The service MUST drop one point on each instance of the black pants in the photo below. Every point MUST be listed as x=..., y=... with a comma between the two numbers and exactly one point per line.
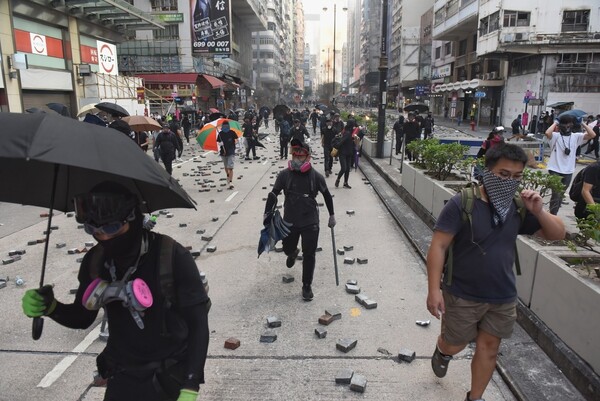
x=594, y=145
x=310, y=238
x=409, y=154
x=251, y=147
x=556, y=197
x=168, y=162
x=283, y=146
x=328, y=158
x=345, y=163
x=149, y=385
x=399, y=143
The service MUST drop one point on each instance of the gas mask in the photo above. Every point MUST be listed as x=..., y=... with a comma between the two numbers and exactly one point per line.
x=297, y=165
x=565, y=129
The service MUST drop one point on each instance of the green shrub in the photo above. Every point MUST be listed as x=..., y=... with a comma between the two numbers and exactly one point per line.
x=437, y=158
x=589, y=230
x=541, y=182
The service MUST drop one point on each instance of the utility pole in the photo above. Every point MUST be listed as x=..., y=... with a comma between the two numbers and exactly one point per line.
x=383, y=69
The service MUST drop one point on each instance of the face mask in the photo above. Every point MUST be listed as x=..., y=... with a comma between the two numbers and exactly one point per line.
x=564, y=129
x=300, y=166
x=225, y=129
x=500, y=192
x=329, y=126
x=124, y=247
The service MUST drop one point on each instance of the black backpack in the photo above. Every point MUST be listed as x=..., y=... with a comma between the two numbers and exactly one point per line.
x=577, y=186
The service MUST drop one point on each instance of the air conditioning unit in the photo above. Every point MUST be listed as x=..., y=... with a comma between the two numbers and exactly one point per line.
x=509, y=37
x=521, y=36
x=494, y=75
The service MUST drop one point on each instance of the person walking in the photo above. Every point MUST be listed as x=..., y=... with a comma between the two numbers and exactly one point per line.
x=345, y=148
x=227, y=140
x=399, y=132
x=563, y=144
x=314, y=117
x=428, y=123
x=412, y=132
x=476, y=298
x=327, y=135
x=249, y=128
x=167, y=144
x=187, y=126
x=301, y=183
x=494, y=138
x=516, y=129
x=158, y=334
x=284, y=138
x=299, y=131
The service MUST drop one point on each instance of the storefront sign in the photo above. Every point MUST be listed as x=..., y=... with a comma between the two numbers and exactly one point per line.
x=107, y=58
x=211, y=28
x=441, y=72
x=38, y=44
x=170, y=18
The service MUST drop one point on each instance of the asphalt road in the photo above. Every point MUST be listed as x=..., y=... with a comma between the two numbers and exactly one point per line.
x=245, y=290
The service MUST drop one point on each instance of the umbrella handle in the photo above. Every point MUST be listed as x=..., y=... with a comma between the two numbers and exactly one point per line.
x=37, y=327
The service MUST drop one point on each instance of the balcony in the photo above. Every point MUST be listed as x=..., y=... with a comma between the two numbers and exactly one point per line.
x=465, y=59
x=453, y=22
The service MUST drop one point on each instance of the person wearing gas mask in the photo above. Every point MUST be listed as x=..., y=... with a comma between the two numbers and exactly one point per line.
x=474, y=294
x=157, y=316
x=301, y=183
x=563, y=146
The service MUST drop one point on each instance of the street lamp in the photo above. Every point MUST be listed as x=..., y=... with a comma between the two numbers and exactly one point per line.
x=327, y=69
x=334, y=22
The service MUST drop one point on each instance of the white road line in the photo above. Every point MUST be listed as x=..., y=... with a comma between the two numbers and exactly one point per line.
x=230, y=197
x=67, y=361
x=265, y=162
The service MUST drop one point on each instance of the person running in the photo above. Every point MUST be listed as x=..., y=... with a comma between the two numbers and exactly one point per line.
x=346, y=152
x=476, y=299
x=158, y=342
x=167, y=144
x=227, y=140
x=301, y=184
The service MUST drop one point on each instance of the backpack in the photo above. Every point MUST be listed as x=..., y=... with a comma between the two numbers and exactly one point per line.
x=284, y=128
x=336, y=141
x=165, y=275
x=468, y=196
x=577, y=186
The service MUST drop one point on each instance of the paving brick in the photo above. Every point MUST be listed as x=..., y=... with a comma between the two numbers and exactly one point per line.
x=70, y=214
x=7, y=261
x=319, y=249
x=268, y=337
x=182, y=225
x=215, y=219
x=16, y=257
x=423, y=322
x=17, y=252
x=349, y=261
x=235, y=212
x=352, y=289
x=358, y=383
x=335, y=313
x=346, y=344
x=54, y=227
x=41, y=240
x=362, y=261
x=350, y=212
x=89, y=244
x=341, y=251
x=320, y=332
x=164, y=212
x=79, y=260
x=348, y=247
x=287, y=278
x=273, y=321
x=80, y=226
x=61, y=245
x=325, y=320
x=406, y=355
x=206, y=238
x=170, y=215
x=211, y=248
x=34, y=242
x=232, y=343
x=361, y=298
x=344, y=376
x=278, y=248
x=370, y=304
x=200, y=231
x=195, y=253
x=352, y=282
x=73, y=251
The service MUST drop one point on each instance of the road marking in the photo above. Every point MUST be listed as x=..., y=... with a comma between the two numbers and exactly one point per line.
x=230, y=197
x=265, y=162
x=67, y=361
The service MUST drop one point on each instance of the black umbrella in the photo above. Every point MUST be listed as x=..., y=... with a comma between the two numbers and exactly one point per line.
x=121, y=126
x=216, y=116
x=280, y=110
x=33, y=110
x=264, y=110
x=59, y=108
x=274, y=231
x=321, y=106
x=45, y=160
x=420, y=107
x=112, y=109
x=94, y=119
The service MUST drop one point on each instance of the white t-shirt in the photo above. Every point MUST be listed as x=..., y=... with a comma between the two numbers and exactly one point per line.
x=559, y=161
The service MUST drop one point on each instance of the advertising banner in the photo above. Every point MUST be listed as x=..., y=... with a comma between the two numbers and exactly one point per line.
x=211, y=26
x=107, y=58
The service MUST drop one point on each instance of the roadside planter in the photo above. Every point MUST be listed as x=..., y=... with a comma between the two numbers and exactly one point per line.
x=408, y=178
x=369, y=146
x=568, y=303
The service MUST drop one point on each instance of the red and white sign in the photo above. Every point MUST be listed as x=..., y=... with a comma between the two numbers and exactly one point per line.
x=107, y=58
x=38, y=44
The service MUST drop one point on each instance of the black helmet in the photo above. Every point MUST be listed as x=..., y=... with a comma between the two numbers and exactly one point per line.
x=106, y=203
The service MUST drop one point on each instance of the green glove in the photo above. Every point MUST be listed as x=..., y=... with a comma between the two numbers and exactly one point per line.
x=187, y=395
x=39, y=302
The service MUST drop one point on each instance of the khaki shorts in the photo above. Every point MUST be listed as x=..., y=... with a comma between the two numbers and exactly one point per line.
x=464, y=318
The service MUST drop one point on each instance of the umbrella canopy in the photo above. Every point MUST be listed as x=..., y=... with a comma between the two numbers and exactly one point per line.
x=33, y=110
x=88, y=108
x=142, y=123
x=216, y=116
x=37, y=148
x=94, y=119
x=275, y=231
x=120, y=126
x=264, y=110
x=207, y=137
x=112, y=109
x=577, y=114
x=321, y=106
x=420, y=107
x=59, y=108
x=214, y=110
x=280, y=110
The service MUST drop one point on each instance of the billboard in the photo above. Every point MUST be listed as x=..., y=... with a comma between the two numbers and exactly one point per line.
x=211, y=26
x=107, y=58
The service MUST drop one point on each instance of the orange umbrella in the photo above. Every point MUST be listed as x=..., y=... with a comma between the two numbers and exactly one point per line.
x=142, y=123
x=207, y=137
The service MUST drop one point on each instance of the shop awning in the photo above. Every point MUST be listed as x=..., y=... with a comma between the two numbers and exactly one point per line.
x=181, y=78
x=561, y=104
x=113, y=13
x=213, y=81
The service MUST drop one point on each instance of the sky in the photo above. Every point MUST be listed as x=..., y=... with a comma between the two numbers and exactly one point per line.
x=319, y=34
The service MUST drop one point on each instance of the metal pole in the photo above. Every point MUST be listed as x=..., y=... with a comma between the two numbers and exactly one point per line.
x=334, y=18
x=383, y=68
x=478, y=110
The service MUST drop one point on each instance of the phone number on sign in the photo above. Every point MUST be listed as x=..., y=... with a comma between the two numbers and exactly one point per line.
x=222, y=43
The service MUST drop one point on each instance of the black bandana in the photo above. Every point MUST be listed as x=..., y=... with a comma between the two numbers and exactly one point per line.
x=500, y=192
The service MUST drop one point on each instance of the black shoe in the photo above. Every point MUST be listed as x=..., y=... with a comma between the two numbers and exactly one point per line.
x=291, y=259
x=347, y=186
x=337, y=183
x=256, y=158
x=307, y=293
x=326, y=173
x=247, y=158
x=439, y=363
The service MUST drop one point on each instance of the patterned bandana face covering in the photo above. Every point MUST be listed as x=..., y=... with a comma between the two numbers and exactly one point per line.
x=500, y=192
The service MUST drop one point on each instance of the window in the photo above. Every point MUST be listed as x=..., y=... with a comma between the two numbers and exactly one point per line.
x=163, y=5
x=474, y=47
x=526, y=65
x=462, y=47
x=516, y=18
x=266, y=41
x=438, y=52
x=170, y=32
x=575, y=21
x=271, y=26
x=489, y=24
x=573, y=63
x=448, y=49
x=440, y=16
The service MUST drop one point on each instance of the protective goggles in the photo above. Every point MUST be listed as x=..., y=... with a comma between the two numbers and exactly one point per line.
x=104, y=210
x=299, y=151
x=107, y=229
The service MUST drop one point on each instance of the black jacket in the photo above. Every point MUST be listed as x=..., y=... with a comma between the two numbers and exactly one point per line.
x=167, y=143
x=299, y=133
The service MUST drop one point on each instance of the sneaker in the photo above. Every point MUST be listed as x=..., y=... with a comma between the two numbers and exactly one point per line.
x=307, y=293
x=337, y=183
x=291, y=259
x=326, y=173
x=247, y=158
x=468, y=397
x=347, y=186
x=256, y=158
x=231, y=186
x=439, y=362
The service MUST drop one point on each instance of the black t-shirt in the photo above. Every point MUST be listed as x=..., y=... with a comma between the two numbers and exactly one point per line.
x=300, y=206
x=228, y=139
x=483, y=272
x=328, y=134
x=592, y=176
